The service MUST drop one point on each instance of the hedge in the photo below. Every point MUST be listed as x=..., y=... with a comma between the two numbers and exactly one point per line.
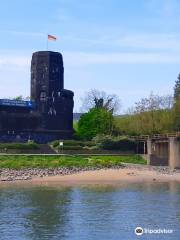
x=19, y=146
x=73, y=143
x=123, y=144
x=70, y=148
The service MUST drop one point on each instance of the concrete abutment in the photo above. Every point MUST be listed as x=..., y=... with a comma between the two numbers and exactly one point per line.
x=164, y=152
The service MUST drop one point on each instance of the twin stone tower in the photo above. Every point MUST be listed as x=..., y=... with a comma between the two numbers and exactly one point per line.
x=53, y=102
x=49, y=114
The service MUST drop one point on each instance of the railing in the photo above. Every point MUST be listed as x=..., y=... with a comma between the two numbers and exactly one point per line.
x=156, y=136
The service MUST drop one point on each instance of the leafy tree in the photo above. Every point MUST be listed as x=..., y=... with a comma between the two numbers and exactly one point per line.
x=177, y=88
x=100, y=99
x=177, y=115
x=150, y=115
x=96, y=121
x=20, y=97
x=177, y=104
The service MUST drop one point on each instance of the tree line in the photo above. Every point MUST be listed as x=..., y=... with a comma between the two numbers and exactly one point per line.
x=151, y=115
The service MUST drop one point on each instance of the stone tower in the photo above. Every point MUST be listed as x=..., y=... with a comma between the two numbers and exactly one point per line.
x=53, y=102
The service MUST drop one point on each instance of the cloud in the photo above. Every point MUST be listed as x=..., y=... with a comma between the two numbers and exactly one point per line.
x=135, y=42
x=23, y=33
x=14, y=60
x=81, y=58
x=151, y=41
x=78, y=59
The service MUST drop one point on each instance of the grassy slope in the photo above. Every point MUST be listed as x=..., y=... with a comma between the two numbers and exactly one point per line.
x=24, y=161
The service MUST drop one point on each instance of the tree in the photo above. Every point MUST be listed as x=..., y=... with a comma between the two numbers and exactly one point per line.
x=154, y=103
x=20, y=98
x=152, y=111
x=100, y=99
x=177, y=88
x=96, y=121
x=150, y=115
x=177, y=104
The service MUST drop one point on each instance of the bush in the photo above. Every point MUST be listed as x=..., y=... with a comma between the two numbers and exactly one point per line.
x=108, y=142
x=124, y=145
x=96, y=121
x=88, y=143
x=98, y=139
x=73, y=143
x=70, y=147
x=20, y=146
x=90, y=147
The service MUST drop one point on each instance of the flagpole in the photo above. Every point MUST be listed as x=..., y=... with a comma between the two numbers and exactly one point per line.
x=50, y=37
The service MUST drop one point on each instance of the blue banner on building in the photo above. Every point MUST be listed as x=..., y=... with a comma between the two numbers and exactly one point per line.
x=16, y=103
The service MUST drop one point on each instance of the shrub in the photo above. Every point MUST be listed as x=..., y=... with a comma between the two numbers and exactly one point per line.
x=70, y=148
x=124, y=145
x=96, y=121
x=21, y=146
x=55, y=144
x=108, y=142
x=90, y=147
x=98, y=139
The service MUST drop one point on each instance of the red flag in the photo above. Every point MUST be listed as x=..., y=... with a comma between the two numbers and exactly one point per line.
x=52, y=38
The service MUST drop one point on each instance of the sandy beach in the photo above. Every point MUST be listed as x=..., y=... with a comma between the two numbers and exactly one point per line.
x=109, y=176
x=105, y=176
x=129, y=173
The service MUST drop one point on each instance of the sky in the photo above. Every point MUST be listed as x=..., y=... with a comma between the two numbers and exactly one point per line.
x=129, y=48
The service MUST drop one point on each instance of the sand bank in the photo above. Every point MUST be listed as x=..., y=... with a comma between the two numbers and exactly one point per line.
x=110, y=176
x=107, y=176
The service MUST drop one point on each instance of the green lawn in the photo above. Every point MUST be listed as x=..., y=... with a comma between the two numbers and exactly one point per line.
x=25, y=161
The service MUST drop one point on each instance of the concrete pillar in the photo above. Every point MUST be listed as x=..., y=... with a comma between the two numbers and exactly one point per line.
x=149, y=146
x=149, y=150
x=174, y=153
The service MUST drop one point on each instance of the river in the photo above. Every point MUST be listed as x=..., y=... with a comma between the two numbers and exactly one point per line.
x=89, y=212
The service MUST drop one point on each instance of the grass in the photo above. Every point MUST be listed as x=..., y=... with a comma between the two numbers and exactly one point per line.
x=25, y=161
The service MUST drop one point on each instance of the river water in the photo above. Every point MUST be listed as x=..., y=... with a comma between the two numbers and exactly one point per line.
x=90, y=212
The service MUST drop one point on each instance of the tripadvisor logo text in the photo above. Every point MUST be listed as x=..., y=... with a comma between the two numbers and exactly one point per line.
x=140, y=231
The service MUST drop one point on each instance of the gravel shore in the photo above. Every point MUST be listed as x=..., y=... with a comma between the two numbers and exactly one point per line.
x=29, y=173
x=10, y=175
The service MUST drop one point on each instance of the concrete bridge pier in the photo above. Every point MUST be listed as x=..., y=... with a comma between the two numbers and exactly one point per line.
x=157, y=152
x=164, y=152
x=149, y=151
x=174, y=153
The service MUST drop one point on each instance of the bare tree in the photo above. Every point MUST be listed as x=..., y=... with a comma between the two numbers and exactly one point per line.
x=100, y=99
x=154, y=102
x=148, y=111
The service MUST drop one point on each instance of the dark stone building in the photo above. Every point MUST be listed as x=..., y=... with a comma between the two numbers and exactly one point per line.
x=49, y=114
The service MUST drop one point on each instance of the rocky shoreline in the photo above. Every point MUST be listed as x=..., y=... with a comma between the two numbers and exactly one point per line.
x=10, y=175
x=29, y=173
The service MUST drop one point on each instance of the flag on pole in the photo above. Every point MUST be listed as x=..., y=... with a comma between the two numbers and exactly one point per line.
x=51, y=37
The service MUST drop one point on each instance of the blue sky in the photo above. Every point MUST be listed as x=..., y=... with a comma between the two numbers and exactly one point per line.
x=129, y=48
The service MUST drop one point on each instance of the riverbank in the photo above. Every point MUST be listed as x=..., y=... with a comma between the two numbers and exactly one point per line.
x=81, y=176
x=111, y=176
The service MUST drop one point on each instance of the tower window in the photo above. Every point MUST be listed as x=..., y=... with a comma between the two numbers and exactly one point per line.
x=42, y=96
